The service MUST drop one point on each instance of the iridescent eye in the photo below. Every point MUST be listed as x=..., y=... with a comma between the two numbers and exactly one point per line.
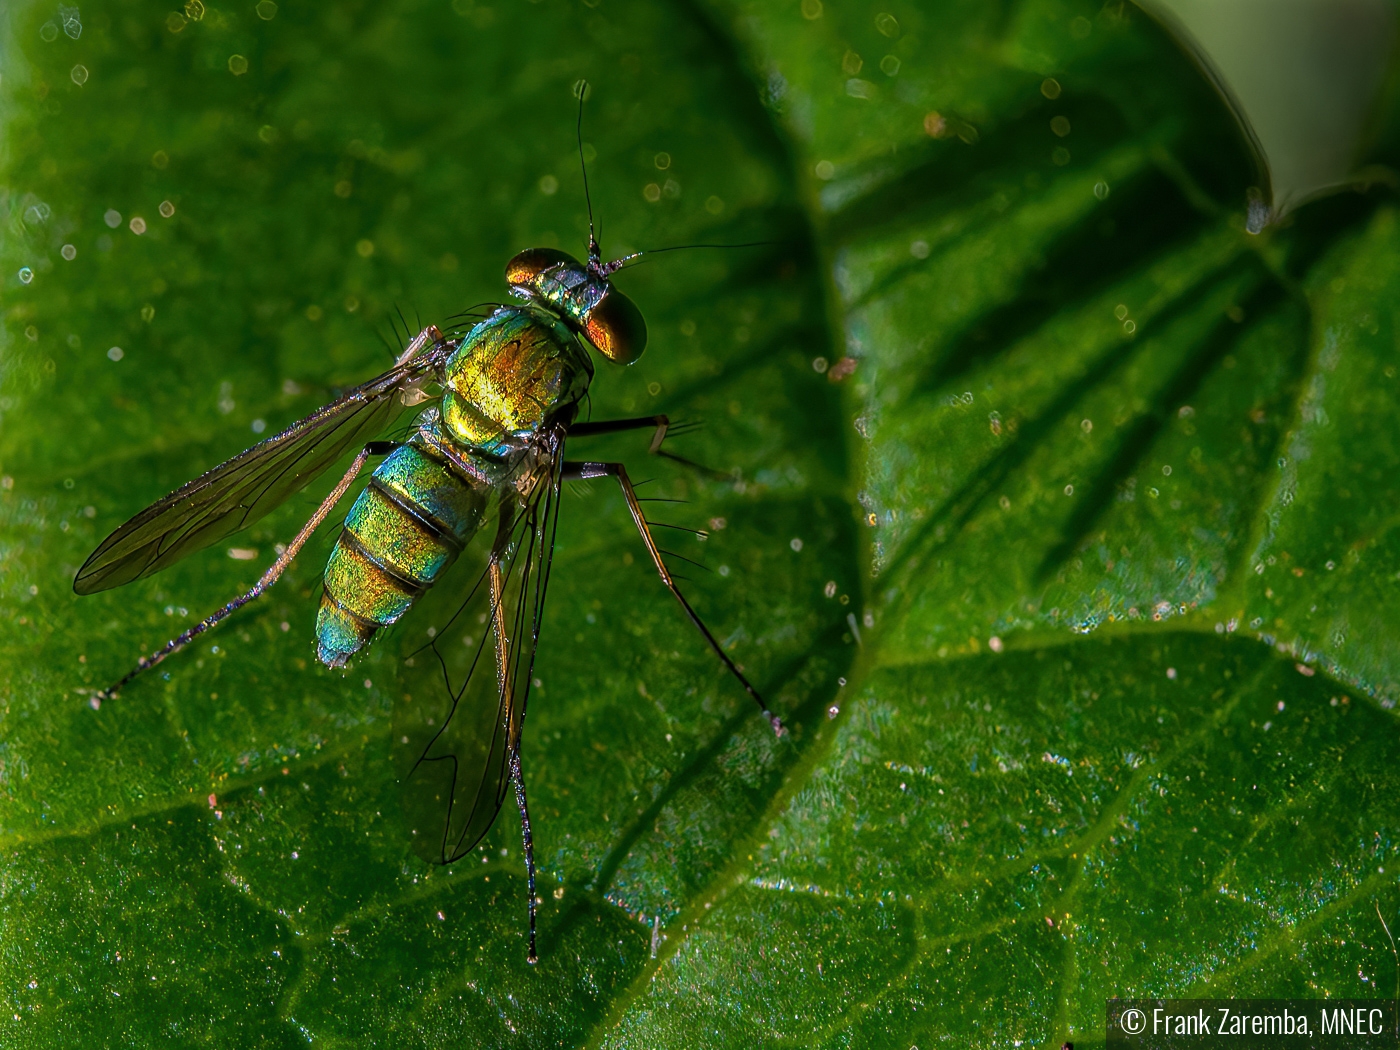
x=529, y=264
x=616, y=328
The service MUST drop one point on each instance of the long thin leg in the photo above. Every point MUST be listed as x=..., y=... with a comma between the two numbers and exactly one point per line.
x=268, y=578
x=498, y=625
x=502, y=639
x=613, y=426
x=518, y=779
x=619, y=471
x=662, y=425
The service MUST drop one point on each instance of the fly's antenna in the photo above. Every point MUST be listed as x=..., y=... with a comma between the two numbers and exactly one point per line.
x=595, y=254
x=608, y=269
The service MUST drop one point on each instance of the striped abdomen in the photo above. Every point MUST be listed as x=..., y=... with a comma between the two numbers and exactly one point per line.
x=407, y=526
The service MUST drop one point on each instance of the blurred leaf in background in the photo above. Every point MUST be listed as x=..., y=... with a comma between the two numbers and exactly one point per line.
x=1303, y=78
x=1051, y=507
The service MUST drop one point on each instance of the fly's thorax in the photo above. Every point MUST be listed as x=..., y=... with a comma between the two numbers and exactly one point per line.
x=515, y=371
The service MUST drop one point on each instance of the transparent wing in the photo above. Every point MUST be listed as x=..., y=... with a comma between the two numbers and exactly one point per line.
x=453, y=748
x=240, y=491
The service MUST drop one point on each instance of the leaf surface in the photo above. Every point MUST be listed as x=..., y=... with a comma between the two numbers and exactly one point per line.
x=1050, y=508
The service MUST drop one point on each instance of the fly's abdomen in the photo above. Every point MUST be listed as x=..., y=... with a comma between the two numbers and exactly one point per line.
x=406, y=528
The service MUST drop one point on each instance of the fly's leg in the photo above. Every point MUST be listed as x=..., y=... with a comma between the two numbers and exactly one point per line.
x=374, y=448
x=518, y=779
x=662, y=425
x=502, y=639
x=581, y=471
x=498, y=627
x=613, y=426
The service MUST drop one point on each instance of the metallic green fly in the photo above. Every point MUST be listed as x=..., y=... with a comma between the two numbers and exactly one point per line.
x=496, y=406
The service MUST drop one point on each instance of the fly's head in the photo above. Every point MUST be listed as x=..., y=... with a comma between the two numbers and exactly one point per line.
x=583, y=294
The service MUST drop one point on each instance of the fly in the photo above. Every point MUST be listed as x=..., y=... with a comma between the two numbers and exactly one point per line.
x=480, y=475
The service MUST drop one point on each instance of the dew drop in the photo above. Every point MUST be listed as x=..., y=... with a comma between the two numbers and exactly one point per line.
x=25, y=274
x=112, y=218
x=79, y=74
x=115, y=354
x=68, y=252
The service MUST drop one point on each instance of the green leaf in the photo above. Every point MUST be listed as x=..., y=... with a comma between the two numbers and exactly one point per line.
x=1050, y=508
x=1303, y=81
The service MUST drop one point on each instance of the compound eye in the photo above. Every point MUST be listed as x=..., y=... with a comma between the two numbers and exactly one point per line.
x=616, y=328
x=529, y=264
